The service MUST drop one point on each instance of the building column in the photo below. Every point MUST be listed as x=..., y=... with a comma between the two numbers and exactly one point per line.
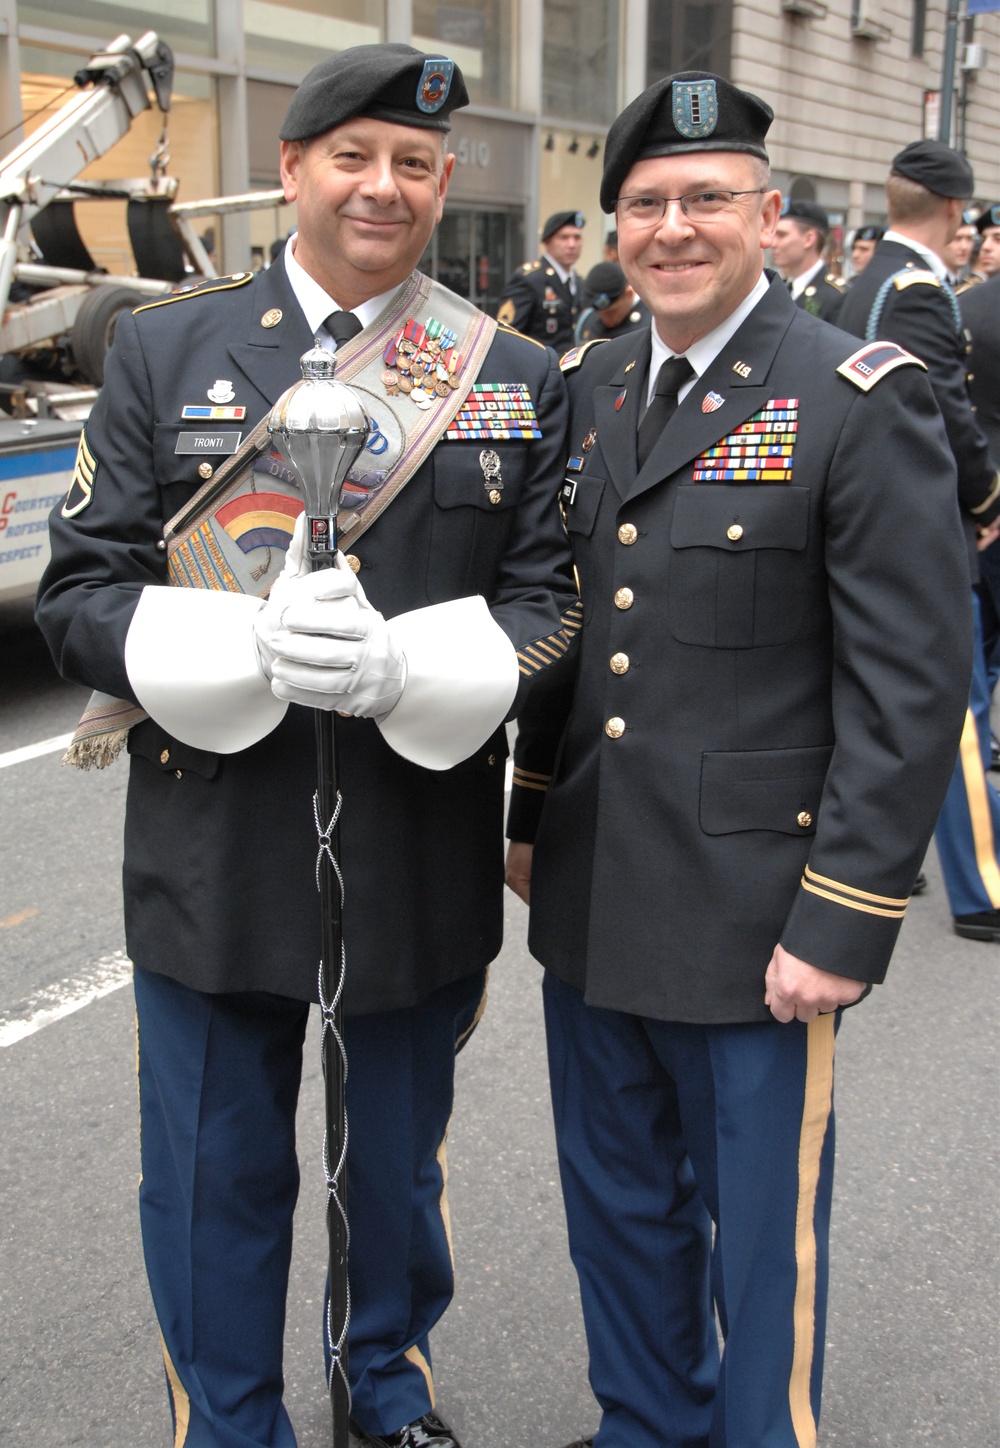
x=529, y=100
x=635, y=41
x=234, y=132
x=399, y=21
x=855, y=205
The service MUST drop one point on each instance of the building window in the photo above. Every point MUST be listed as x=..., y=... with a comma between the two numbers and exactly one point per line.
x=478, y=34
x=580, y=60
x=689, y=37
x=185, y=25
x=292, y=38
x=918, y=27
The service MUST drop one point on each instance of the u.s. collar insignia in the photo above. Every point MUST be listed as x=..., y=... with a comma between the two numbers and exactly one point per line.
x=695, y=108
x=742, y=369
x=221, y=392
x=434, y=84
x=271, y=317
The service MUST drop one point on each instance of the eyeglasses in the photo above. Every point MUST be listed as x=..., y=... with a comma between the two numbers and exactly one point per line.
x=699, y=206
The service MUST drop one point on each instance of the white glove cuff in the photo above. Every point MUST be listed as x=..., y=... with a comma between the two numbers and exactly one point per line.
x=461, y=678
x=192, y=663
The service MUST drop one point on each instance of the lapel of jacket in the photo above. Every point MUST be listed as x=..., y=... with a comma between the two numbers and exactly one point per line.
x=752, y=348
x=616, y=430
x=269, y=354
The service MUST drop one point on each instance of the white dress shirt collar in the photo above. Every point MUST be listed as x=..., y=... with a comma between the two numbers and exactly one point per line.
x=702, y=354
x=318, y=304
x=932, y=259
x=800, y=283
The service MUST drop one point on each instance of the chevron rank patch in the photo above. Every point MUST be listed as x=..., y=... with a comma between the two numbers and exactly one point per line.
x=81, y=488
x=873, y=361
x=760, y=450
x=495, y=410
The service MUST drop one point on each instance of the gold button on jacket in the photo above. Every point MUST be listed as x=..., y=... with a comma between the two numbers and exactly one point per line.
x=619, y=663
x=624, y=598
x=734, y=532
x=615, y=728
x=804, y=818
x=353, y=563
x=627, y=533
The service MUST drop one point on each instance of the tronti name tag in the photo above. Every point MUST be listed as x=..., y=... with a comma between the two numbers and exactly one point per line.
x=223, y=441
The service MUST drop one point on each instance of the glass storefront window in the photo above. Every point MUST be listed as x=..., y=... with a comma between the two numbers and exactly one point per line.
x=479, y=35
x=683, y=36
x=192, y=136
x=580, y=60
x=185, y=24
x=292, y=38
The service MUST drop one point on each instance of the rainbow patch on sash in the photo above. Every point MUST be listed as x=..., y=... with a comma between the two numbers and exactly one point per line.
x=260, y=520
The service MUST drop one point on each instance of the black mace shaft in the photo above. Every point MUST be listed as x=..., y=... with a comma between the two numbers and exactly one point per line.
x=331, y=999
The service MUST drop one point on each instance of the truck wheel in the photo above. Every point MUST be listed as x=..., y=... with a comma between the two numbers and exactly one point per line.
x=93, y=331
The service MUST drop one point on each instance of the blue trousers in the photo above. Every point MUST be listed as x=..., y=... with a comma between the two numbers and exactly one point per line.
x=968, y=826
x=663, y=1131
x=218, y=1084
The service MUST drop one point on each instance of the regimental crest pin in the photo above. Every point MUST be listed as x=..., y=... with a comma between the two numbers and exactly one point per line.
x=589, y=440
x=695, y=108
x=221, y=392
x=711, y=402
x=434, y=84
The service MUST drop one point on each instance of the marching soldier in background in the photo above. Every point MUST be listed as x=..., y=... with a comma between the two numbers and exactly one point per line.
x=612, y=306
x=736, y=789
x=542, y=298
x=797, y=252
x=960, y=251
x=988, y=226
x=440, y=618
x=904, y=296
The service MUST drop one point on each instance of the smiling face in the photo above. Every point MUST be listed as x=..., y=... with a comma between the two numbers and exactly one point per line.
x=369, y=194
x=693, y=274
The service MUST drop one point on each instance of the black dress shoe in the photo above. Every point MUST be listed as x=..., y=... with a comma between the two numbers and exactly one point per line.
x=983, y=925
x=430, y=1431
x=919, y=884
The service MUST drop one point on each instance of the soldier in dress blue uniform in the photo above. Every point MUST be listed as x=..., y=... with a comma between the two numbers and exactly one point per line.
x=542, y=298
x=612, y=306
x=798, y=254
x=904, y=295
x=423, y=641
x=730, y=798
x=863, y=244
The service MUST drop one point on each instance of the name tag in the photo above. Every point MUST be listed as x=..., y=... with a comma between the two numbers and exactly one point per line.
x=224, y=441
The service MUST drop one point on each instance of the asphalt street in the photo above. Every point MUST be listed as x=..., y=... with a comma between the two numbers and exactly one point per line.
x=913, y=1335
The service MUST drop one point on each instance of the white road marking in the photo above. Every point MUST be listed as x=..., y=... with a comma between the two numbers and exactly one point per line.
x=54, y=1002
x=32, y=751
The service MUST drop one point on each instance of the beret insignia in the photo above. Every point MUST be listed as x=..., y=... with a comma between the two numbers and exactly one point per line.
x=434, y=84
x=695, y=108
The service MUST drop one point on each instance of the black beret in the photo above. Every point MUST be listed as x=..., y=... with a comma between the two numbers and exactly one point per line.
x=936, y=167
x=612, y=237
x=561, y=219
x=690, y=111
x=809, y=212
x=386, y=82
x=989, y=217
x=604, y=284
x=869, y=233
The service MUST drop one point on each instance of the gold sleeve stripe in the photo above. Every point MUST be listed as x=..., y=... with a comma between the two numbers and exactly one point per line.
x=858, y=894
x=226, y=285
x=852, y=904
x=527, y=784
x=531, y=774
x=988, y=502
x=536, y=656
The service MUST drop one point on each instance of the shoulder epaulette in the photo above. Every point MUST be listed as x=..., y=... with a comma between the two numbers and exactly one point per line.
x=213, y=284
x=571, y=360
x=910, y=276
x=873, y=361
x=513, y=332
x=972, y=280
x=529, y=266
x=835, y=281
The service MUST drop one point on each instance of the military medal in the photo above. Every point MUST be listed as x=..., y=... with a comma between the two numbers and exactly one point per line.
x=760, y=450
x=422, y=362
x=495, y=410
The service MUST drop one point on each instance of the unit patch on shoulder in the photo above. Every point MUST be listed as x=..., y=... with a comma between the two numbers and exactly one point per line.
x=81, y=488
x=911, y=275
x=871, y=363
x=571, y=360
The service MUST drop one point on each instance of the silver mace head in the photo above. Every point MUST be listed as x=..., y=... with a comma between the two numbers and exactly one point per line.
x=319, y=426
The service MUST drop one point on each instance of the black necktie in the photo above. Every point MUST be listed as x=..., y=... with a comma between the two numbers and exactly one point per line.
x=670, y=379
x=342, y=326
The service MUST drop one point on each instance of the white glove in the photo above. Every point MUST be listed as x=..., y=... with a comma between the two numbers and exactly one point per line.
x=321, y=643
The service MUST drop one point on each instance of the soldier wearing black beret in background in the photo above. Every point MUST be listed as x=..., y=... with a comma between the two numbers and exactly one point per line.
x=904, y=295
x=435, y=626
x=612, y=307
x=797, y=252
x=737, y=787
x=542, y=298
x=863, y=244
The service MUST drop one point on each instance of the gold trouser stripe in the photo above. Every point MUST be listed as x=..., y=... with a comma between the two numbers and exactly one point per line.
x=182, y=1403
x=900, y=901
x=416, y=1356
x=851, y=904
x=815, y=1118
x=979, y=809
x=442, y=1161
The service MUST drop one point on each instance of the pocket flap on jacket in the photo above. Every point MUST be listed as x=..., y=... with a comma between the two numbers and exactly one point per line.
x=763, y=789
x=753, y=515
x=149, y=741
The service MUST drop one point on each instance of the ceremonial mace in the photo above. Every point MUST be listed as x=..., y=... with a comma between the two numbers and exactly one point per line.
x=319, y=426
